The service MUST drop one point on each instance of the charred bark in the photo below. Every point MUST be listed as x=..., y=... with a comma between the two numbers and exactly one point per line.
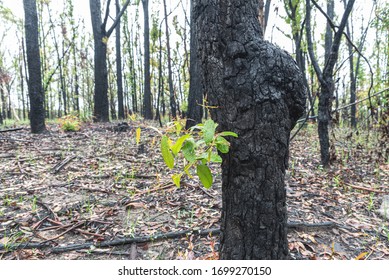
x=259, y=93
x=195, y=97
x=35, y=89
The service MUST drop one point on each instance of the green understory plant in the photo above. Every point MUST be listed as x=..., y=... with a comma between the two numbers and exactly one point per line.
x=70, y=123
x=198, y=147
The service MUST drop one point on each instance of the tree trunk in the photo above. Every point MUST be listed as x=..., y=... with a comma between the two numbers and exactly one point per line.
x=119, y=67
x=258, y=93
x=195, y=97
x=100, y=36
x=101, y=108
x=173, y=104
x=147, y=104
x=35, y=90
x=325, y=77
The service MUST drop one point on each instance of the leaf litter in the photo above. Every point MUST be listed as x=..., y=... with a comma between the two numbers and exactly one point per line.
x=102, y=184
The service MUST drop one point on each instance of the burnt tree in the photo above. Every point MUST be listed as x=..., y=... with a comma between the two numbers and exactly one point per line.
x=195, y=97
x=35, y=89
x=259, y=93
x=100, y=37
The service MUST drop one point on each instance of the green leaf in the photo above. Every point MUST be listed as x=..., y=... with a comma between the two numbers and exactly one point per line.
x=189, y=151
x=205, y=175
x=187, y=170
x=166, y=154
x=222, y=145
x=178, y=145
x=209, y=131
x=177, y=179
x=215, y=158
x=178, y=127
x=228, y=133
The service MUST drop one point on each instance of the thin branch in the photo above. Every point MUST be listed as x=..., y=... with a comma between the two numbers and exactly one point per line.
x=11, y=129
x=333, y=26
x=106, y=15
x=109, y=32
x=148, y=238
x=311, y=53
x=349, y=105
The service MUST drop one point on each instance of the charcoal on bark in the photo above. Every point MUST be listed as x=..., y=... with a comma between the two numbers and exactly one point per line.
x=35, y=89
x=259, y=93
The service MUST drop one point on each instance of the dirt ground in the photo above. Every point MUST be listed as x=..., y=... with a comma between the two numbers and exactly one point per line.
x=70, y=195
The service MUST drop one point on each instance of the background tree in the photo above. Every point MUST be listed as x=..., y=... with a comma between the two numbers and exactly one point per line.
x=173, y=104
x=325, y=76
x=195, y=97
x=259, y=94
x=147, y=104
x=119, y=80
x=35, y=90
x=100, y=36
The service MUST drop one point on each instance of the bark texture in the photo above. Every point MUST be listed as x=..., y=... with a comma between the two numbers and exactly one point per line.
x=195, y=98
x=35, y=89
x=119, y=74
x=147, y=106
x=101, y=107
x=259, y=94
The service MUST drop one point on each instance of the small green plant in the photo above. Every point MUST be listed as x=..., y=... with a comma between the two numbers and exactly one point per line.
x=199, y=147
x=34, y=206
x=7, y=201
x=371, y=202
x=70, y=123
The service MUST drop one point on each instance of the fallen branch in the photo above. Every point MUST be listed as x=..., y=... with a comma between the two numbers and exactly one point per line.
x=62, y=164
x=367, y=189
x=11, y=129
x=145, y=239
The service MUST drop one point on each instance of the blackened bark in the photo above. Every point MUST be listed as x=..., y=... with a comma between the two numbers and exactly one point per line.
x=147, y=104
x=325, y=78
x=195, y=97
x=100, y=98
x=100, y=37
x=35, y=90
x=173, y=104
x=119, y=80
x=259, y=93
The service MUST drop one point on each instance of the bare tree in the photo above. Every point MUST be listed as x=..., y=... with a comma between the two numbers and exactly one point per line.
x=35, y=90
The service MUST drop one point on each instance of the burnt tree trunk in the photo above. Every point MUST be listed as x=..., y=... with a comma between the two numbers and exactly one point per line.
x=195, y=97
x=147, y=104
x=259, y=93
x=325, y=77
x=119, y=80
x=173, y=104
x=35, y=89
x=100, y=97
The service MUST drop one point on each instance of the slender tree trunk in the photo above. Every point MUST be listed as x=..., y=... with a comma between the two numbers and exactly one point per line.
x=147, y=104
x=100, y=36
x=195, y=97
x=325, y=77
x=119, y=67
x=37, y=109
x=258, y=93
x=173, y=104
x=101, y=108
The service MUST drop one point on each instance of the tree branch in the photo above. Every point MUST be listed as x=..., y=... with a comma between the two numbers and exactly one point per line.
x=109, y=32
x=104, y=25
x=311, y=53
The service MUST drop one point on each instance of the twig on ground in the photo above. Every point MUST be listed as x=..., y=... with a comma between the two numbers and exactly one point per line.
x=62, y=164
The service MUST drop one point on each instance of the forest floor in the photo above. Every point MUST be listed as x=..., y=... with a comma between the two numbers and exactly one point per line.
x=97, y=194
